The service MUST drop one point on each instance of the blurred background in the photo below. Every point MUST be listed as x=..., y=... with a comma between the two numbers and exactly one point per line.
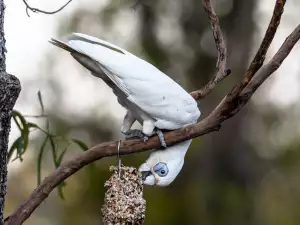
x=247, y=173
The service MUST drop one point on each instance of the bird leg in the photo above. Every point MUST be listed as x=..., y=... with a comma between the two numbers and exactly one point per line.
x=129, y=119
x=148, y=130
x=161, y=137
x=135, y=133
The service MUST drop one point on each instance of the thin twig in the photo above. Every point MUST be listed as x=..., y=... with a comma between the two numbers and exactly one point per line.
x=221, y=66
x=36, y=10
x=36, y=116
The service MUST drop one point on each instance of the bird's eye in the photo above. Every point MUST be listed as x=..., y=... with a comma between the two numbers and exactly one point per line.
x=161, y=169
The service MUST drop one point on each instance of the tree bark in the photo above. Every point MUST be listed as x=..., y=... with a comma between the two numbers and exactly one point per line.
x=9, y=91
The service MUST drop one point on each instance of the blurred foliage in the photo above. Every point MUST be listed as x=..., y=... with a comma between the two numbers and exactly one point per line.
x=226, y=179
x=20, y=145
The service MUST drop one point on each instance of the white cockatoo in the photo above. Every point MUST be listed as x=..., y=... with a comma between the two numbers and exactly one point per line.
x=150, y=97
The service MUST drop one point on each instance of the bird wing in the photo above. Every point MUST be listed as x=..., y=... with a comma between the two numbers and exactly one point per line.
x=143, y=84
x=87, y=46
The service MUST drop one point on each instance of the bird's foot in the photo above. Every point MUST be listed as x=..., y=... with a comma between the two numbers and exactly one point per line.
x=161, y=137
x=133, y=134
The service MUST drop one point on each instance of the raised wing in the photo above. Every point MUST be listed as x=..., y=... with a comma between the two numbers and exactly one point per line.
x=144, y=85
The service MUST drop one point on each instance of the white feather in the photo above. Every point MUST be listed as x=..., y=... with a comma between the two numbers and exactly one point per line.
x=156, y=94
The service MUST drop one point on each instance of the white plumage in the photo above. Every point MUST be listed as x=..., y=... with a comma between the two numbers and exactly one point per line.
x=150, y=97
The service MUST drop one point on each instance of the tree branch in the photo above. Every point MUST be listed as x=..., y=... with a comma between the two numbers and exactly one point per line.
x=260, y=56
x=36, y=10
x=227, y=108
x=221, y=67
x=274, y=63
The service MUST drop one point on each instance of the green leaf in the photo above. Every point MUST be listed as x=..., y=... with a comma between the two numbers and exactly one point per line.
x=32, y=125
x=60, y=158
x=25, y=135
x=53, y=150
x=20, y=148
x=14, y=147
x=14, y=115
x=60, y=190
x=81, y=144
x=24, y=129
x=39, y=160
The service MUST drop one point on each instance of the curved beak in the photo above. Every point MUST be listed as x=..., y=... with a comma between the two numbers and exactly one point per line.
x=145, y=174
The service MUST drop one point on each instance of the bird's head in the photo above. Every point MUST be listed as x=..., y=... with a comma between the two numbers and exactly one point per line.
x=163, y=166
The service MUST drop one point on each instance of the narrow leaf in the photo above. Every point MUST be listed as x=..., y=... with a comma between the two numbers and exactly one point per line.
x=13, y=147
x=14, y=115
x=60, y=158
x=20, y=148
x=60, y=190
x=24, y=129
x=53, y=150
x=32, y=125
x=39, y=160
x=41, y=102
x=25, y=135
x=81, y=144
x=21, y=117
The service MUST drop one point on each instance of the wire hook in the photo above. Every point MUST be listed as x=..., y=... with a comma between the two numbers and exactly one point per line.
x=119, y=158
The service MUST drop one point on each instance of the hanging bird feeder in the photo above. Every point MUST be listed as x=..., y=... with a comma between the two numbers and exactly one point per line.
x=123, y=202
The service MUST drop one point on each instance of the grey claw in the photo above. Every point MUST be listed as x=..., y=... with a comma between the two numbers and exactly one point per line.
x=132, y=134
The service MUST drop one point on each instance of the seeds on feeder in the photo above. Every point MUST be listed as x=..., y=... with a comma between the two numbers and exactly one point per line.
x=124, y=203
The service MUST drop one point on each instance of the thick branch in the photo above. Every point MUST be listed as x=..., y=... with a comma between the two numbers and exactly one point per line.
x=221, y=66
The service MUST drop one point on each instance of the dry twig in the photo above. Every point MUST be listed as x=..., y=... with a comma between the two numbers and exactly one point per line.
x=227, y=108
x=221, y=65
x=36, y=10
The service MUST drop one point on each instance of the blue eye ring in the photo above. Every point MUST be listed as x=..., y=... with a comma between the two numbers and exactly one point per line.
x=161, y=169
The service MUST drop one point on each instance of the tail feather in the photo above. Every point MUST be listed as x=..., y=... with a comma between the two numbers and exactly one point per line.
x=62, y=45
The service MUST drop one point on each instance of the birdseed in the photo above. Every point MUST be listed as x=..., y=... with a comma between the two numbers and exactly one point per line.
x=123, y=202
